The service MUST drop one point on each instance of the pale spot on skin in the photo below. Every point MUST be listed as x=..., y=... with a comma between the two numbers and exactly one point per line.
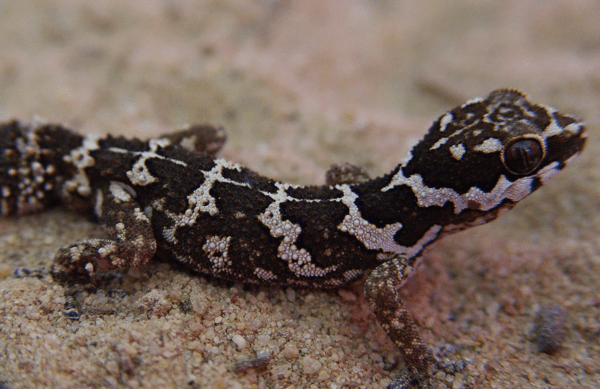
x=188, y=142
x=139, y=173
x=446, y=119
x=120, y=191
x=217, y=249
x=472, y=101
x=81, y=159
x=264, y=274
x=490, y=145
x=351, y=275
x=574, y=128
x=439, y=143
x=98, y=203
x=457, y=151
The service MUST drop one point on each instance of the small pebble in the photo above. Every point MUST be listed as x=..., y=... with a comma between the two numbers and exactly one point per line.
x=550, y=328
x=290, y=351
x=239, y=341
x=256, y=363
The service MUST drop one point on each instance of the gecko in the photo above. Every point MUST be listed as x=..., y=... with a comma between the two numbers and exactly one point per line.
x=172, y=197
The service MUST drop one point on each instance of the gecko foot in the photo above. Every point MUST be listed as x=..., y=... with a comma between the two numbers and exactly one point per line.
x=407, y=381
x=37, y=272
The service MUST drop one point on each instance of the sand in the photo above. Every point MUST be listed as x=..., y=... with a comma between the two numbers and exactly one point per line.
x=300, y=85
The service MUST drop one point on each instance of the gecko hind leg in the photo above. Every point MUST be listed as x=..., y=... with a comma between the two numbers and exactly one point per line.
x=131, y=241
x=345, y=173
x=203, y=138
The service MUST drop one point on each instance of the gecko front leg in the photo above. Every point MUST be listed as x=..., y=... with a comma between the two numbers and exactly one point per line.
x=381, y=292
x=131, y=241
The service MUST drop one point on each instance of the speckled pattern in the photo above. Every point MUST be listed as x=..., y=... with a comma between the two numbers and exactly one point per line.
x=221, y=219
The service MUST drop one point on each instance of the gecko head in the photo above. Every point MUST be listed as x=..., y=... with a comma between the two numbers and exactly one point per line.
x=490, y=153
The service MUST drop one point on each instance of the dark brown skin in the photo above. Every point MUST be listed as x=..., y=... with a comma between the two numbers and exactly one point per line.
x=170, y=194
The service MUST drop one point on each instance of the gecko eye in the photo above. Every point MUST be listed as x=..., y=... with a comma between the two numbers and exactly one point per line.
x=523, y=155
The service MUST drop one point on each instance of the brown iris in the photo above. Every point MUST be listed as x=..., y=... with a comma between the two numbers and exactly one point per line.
x=523, y=156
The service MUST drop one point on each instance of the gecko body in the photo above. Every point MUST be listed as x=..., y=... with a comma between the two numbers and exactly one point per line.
x=171, y=196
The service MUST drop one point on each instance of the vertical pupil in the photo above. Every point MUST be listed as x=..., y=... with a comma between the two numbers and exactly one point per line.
x=523, y=156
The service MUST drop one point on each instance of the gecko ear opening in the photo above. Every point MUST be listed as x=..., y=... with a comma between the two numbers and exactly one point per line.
x=523, y=155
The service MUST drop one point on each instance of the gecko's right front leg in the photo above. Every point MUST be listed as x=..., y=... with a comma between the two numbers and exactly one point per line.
x=131, y=241
x=381, y=292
